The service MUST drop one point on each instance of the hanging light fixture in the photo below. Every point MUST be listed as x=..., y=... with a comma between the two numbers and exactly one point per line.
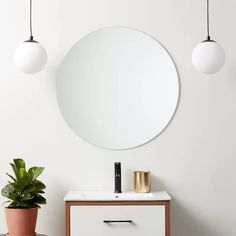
x=208, y=56
x=30, y=56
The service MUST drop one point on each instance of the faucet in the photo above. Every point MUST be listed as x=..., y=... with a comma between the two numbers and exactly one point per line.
x=117, y=166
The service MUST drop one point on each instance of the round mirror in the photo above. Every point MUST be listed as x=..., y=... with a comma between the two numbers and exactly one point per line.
x=117, y=88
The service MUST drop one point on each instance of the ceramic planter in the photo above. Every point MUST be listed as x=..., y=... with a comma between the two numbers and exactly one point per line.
x=21, y=221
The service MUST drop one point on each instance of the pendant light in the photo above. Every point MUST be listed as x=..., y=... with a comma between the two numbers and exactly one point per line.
x=30, y=56
x=208, y=56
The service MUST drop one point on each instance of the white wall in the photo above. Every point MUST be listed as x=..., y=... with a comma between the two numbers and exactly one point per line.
x=194, y=159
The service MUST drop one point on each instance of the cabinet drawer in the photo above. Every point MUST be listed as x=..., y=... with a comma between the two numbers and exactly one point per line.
x=117, y=220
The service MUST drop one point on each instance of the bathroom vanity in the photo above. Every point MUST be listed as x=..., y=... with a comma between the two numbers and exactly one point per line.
x=110, y=214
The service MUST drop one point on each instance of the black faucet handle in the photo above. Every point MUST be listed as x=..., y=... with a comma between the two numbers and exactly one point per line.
x=117, y=166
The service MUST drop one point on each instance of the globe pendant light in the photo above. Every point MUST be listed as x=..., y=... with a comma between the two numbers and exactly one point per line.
x=30, y=56
x=208, y=56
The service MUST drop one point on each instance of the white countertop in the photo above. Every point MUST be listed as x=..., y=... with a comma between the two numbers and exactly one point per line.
x=110, y=196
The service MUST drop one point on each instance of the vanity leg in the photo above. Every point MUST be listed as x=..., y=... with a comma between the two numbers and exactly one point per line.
x=167, y=207
x=67, y=220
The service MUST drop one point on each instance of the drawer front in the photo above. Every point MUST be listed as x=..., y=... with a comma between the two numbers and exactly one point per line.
x=117, y=220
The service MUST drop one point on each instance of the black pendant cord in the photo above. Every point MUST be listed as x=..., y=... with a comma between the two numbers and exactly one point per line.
x=31, y=30
x=31, y=38
x=208, y=21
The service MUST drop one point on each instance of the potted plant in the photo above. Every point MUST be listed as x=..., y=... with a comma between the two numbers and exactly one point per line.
x=24, y=193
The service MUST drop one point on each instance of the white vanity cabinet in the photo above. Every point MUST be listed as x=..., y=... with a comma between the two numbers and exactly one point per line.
x=116, y=218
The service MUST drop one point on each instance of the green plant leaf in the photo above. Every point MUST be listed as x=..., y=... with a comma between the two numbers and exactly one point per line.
x=14, y=179
x=39, y=185
x=26, y=196
x=30, y=189
x=19, y=163
x=41, y=191
x=35, y=172
x=15, y=170
x=39, y=199
x=22, y=172
x=24, y=183
x=8, y=191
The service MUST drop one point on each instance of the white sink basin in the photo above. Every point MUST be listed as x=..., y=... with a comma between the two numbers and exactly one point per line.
x=110, y=196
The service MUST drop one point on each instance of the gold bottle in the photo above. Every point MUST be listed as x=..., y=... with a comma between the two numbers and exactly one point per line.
x=142, y=181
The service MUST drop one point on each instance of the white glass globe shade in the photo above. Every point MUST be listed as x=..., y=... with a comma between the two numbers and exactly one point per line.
x=30, y=57
x=208, y=57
